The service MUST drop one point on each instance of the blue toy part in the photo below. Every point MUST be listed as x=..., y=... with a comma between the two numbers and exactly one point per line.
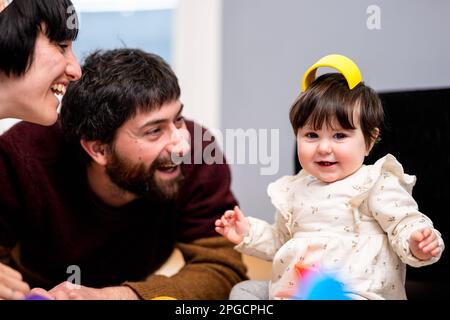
x=325, y=287
x=320, y=286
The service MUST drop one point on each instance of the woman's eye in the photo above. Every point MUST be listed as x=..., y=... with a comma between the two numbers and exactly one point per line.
x=63, y=46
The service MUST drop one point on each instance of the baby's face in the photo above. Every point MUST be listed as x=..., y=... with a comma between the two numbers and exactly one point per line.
x=331, y=154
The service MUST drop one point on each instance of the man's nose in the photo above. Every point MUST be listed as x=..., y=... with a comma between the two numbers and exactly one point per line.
x=179, y=143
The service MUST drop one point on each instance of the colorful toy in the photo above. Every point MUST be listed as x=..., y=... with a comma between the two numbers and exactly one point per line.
x=35, y=297
x=317, y=285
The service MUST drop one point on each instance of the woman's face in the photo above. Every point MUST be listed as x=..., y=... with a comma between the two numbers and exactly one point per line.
x=35, y=93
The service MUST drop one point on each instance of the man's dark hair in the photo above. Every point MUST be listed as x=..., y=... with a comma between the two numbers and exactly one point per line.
x=115, y=86
x=20, y=23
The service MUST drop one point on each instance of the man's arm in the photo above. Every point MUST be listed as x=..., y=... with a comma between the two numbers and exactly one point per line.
x=69, y=291
x=212, y=268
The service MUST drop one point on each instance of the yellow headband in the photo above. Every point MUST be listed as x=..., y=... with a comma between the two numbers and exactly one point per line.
x=339, y=62
x=4, y=4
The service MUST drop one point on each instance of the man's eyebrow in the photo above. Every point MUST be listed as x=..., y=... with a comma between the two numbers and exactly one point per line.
x=181, y=110
x=161, y=120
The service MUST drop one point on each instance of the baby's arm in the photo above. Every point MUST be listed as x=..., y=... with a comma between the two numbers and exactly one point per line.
x=411, y=233
x=253, y=236
x=233, y=225
x=424, y=244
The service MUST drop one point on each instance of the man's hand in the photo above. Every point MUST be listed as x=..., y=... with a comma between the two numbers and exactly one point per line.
x=70, y=291
x=424, y=244
x=11, y=285
x=233, y=225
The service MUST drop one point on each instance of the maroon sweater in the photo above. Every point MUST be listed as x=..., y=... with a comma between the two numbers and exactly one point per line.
x=47, y=206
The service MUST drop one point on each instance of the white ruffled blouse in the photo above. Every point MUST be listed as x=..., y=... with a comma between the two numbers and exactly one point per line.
x=356, y=229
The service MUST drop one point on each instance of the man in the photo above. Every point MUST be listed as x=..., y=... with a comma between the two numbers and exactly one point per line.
x=99, y=195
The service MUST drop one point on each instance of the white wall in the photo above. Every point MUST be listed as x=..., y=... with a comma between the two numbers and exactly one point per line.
x=197, y=44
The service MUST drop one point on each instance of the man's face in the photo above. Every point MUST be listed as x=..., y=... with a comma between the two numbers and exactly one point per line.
x=140, y=161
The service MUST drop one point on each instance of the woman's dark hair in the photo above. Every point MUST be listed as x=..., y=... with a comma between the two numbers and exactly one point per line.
x=115, y=86
x=20, y=23
x=329, y=99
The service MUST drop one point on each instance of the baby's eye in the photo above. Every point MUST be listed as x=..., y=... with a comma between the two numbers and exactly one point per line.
x=311, y=135
x=340, y=135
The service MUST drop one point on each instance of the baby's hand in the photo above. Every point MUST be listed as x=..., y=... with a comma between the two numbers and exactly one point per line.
x=424, y=244
x=233, y=225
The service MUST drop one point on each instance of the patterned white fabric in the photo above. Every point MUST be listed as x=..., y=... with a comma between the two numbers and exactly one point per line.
x=356, y=229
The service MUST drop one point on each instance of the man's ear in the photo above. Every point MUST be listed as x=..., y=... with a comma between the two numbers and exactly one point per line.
x=376, y=133
x=96, y=150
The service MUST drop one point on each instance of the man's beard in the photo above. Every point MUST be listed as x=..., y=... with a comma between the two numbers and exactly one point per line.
x=142, y=181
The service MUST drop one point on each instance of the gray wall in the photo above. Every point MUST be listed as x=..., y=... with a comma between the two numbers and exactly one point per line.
x=268, y=44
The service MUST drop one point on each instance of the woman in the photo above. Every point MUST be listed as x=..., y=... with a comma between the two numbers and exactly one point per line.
x=37, y=59
x=37, y=63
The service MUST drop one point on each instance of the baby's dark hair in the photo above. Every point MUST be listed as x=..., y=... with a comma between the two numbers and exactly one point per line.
x=20, y=24
x=329, y=99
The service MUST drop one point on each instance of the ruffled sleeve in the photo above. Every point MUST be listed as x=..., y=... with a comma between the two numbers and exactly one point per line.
x=264, y=239
x=390, y=202
x=281, y=193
